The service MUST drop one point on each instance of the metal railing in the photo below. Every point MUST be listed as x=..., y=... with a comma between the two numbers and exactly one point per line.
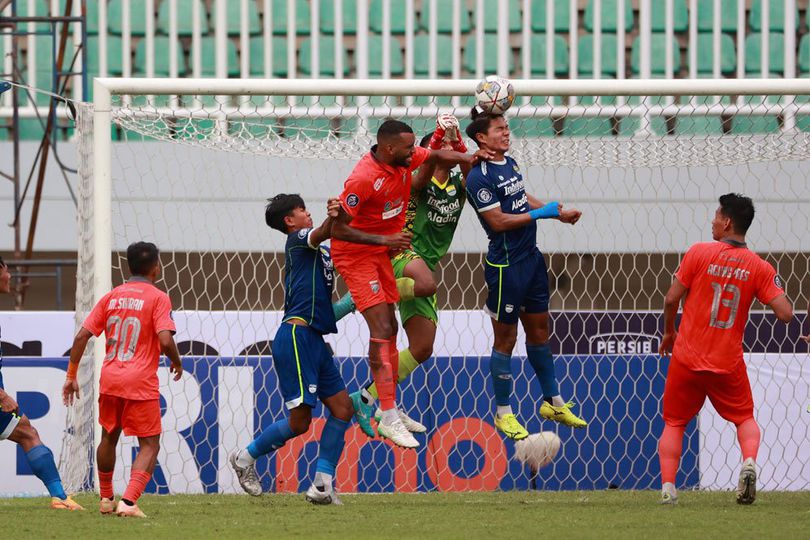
x=21, y=277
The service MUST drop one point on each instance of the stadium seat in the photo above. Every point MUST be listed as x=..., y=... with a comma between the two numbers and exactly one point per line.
x=538, y=55
x=705, y=54
x=657, y=55
x=590, y=127
x=444, y=17
x=533, y=127
x=753, y=53
x=610, y=22
x=137, y=16
x=698, y=125
x=728, y=15
x=44, y=63
x=562, y=16
x=161, y=60
x=397, y=16
x=680, y=17
x=208, y=55
x=610, y=44
x=804, y=54
x=185, y=20
x=41, y=8
x=303, y=17
x=745, y=124
x=349, y=17
x=114, y=58
x=31, y=129
x=234, y=14
x=490, y=54
x=421, y=54
x=776, y=16
x=375, y=56
x=491, y=16
x=326, y=57
x=279, y=56
x=630, y=125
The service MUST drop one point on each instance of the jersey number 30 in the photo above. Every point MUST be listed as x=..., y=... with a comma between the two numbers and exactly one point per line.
x=733, y=302
x=122, y=337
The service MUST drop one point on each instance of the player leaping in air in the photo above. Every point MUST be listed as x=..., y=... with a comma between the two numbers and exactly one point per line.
x=437, y=199
x=17, y=428
x=365, y=236
x=720, y=280
x=515, y=272
x=136, y=319
x=304, y=363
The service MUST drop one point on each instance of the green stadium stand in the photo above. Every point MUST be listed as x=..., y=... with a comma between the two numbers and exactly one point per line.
x=137, y=16
x=537, y=43
x=680, y=16
x=610, y=22
x=444, y=17
x=30, y=129
x=44, y=66
x=114, y=57
x=776, y=16
x=326, y=56
x=491, y=16
x=705, y=54
x=630, y=125
x=234, y=14
x=162, y=47
x=536, y=125
x=397, y=11
x=562, y=16
x=728, y=15
x=41, y=9
x=349, y=17
x=421, y=54
x=698, y=125
x=744, y=124
x=208, y=50
x=490, y=54
x=303, y=17
x=804, y=54
x=657, y=55
x=753, y=53
x=91, y=18
x=590, y=127
x=610, y=44
x=375, y=56
x=279, y=56
x=185, y=19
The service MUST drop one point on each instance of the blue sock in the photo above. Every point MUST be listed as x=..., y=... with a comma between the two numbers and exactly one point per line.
x=333, y=438
x=500, y=367
x=271, y=439
x=543, y=363
x=40, y=459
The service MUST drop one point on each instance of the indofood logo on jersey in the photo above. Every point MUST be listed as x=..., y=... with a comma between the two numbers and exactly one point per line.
x=624, y=343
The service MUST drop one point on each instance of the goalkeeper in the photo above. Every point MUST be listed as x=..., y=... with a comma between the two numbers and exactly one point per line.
x=437, y=199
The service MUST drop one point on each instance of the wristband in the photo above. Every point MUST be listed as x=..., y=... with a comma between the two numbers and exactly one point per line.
x=459, y=146
x=73, y=369
x=550, y=210
x=437, y=139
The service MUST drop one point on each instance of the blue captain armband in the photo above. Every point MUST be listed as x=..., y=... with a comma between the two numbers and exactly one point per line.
x=550, y=210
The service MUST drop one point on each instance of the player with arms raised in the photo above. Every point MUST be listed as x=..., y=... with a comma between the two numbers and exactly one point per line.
x=720, y=280
x=16, y=427
x=136, y=320
x=515, y=272
x=365, y=236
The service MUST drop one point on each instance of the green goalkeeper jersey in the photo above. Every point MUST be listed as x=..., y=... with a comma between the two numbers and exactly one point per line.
x=432, y=217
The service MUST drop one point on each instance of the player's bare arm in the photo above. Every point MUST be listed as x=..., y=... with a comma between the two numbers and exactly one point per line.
x=169, y=348
x=7, y=403
x=343, y=231
x=423, y=176
x=70, y=390
x=671, y=302
x=324, y=232
x=449, y=158
x=782, y=308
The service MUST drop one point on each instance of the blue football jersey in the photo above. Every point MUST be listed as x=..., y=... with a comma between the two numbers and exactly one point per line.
x=492, y=184
x=308, y=281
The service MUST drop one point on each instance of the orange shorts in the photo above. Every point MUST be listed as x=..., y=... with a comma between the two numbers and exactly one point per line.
x=138, y=418
x=370, y=279
x=686, y=390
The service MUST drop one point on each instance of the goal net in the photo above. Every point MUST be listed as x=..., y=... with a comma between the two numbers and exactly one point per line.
x=645, y=161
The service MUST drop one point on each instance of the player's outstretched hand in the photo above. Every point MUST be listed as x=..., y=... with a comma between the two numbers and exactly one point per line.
x=482, y=154
x=7, y=404
x=177, y=370
x=399, y=241
x=667, y=342
x=333, y=207
x=571, y=215
x=70, y=392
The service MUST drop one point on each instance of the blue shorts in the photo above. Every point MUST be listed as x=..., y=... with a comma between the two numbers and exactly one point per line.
x=304, y=365
x=8, y=420
x=515, y=288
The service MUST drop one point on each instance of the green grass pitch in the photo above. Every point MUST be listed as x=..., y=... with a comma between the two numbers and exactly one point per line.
x=550, y=515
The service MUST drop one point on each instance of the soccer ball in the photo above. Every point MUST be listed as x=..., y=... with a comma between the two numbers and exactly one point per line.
x=494, y=95
x=538, y=449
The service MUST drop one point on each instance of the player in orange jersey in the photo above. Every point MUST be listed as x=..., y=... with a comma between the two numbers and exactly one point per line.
x=136, y=319
x=367, y=233
x=722, y=278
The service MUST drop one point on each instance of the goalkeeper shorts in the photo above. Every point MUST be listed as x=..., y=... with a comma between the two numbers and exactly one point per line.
x=517, y=287
x=686, y=391
x=424, y=306
x=369, y=278
x=137, y=417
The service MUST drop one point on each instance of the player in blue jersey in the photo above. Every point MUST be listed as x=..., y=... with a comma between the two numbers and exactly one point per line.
x=515, y=272
x=304, y=364
x=16, y=427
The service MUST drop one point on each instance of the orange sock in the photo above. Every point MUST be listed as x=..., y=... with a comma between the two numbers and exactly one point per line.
x=393, y=357
x=137, y=483
x=383, y=377
x=748, y=435
x=105, y=484
x=669, y=451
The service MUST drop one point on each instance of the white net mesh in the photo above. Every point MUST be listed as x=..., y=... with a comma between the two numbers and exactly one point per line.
x=192, y=174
